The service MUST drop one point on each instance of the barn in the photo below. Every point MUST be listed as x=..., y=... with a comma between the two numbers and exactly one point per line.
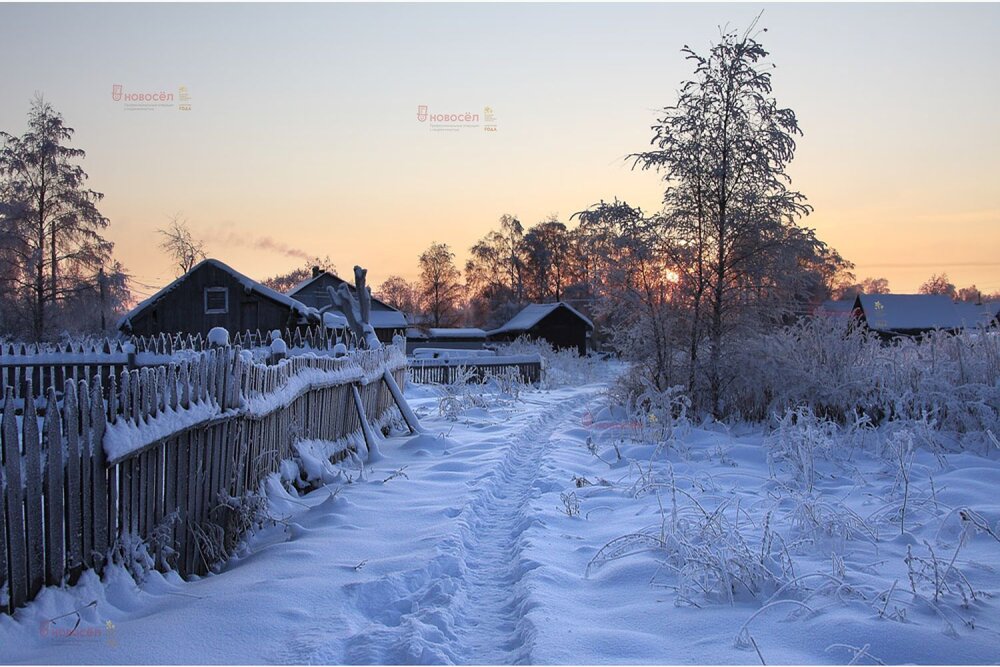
x=213, y=294
x=386, y=320
x=558, y=323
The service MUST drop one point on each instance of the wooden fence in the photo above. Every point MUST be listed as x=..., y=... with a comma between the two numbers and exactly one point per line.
x=53, y=365
x=166, y=456
x=446, y=371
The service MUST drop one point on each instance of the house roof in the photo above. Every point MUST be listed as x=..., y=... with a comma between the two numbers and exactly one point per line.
x=387, y=319
x=467, y=332
x=975, y=314
x=534, y=313
x=841, y=307
x=249, y=285
x=907, y=312
x=390, y=318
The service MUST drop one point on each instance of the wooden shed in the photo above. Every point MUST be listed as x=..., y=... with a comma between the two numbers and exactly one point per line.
x=213, y=294
x=558, y=323
x=386, y=320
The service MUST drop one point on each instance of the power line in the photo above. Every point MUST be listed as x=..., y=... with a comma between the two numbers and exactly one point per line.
x=926, y=265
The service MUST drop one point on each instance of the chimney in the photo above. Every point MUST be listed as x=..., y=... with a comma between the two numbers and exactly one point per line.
x=315, y=271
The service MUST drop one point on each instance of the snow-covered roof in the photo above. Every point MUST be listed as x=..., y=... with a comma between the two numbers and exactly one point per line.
x=904, y=312
x=457, y=332
x=534, y=313
x=249, y=285
x=307, y=283
x=975, y=314
x=387, y=319
x=415, y=332
x=842, y=307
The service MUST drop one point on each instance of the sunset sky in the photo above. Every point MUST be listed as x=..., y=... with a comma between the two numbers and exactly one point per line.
x=302, y=138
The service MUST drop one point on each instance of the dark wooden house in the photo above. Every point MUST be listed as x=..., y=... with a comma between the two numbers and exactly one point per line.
x=213, y=294
x=386, y=320
x=558, y=323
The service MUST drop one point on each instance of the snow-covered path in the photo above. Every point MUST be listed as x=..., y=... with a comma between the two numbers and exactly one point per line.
x=472, y=596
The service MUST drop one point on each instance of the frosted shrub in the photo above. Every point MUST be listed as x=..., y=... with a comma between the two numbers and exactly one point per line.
x=132, y=554
x=562, y=368
x=658, y=416
x=839, y=370
x=507, y=381
x=706, y=556
x=461, y=393
x=798, y=440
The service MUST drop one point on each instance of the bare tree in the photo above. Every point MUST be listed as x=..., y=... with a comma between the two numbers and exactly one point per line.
x=939, y=284
x=494, y=273
x=286, y=281
x=399, y=293
x=440, y=290
x=546, y=257
x=52, y=239
x=180, y=245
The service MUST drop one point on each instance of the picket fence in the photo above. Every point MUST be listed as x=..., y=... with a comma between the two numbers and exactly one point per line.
x=166, y=456
x=478, y=369
x=54, y=365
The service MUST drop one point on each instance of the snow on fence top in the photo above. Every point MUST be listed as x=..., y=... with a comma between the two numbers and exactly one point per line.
x=150, y=404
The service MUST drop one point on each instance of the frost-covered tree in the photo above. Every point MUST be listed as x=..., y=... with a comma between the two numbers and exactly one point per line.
x=180, y=245
x=440, y=291
x=53, y=248
x=723, y=149
x=636, y=288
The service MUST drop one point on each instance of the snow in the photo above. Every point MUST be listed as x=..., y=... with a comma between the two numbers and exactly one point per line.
x=447, y=352
x=899, y=312
x=533, y=314
x=466, y=332
x=334, y=320
x=460, y=357
x=126, y=436
x=481, y=541
x=387, y=319
x=218, y=336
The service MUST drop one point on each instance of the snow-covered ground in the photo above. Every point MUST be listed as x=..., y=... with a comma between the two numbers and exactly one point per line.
x=484, y=542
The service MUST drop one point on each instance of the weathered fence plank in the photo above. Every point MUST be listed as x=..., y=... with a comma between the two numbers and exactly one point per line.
x=55, y=545
x=99, y=471
x=74, y=490
x=33, y=518
x=17, y=555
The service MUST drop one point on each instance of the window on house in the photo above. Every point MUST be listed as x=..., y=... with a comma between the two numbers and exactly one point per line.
x=216, y=300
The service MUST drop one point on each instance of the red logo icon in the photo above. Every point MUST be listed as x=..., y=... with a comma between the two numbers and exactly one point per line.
x=116, y=92
x=422, y=112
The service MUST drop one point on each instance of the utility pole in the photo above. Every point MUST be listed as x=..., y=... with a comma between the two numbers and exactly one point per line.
x=100, y=284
